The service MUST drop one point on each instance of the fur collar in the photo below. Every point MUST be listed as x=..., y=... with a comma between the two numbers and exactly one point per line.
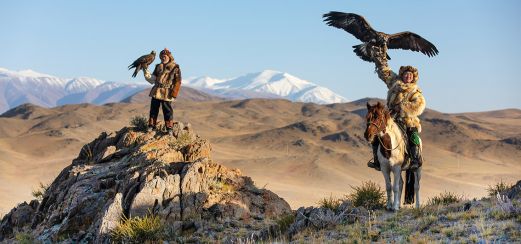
x=400, y=86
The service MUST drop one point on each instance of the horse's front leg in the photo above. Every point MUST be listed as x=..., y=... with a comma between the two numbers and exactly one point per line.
x=388, y=187
x=397, y=184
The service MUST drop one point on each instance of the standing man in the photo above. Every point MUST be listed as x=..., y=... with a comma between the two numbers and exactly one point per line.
x=166, y=79
x=405, y=102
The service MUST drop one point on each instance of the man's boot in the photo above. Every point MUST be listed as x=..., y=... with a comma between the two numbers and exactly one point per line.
x=151, y=124
x=169, y=127
x=375, y=163
x=414, y=149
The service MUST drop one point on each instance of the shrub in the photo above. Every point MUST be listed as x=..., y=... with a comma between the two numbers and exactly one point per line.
x=330, y=202
x=138, y=229
x=445, y=198
x=40, y=192
x=24, y=238
x=285, y=221
x=499, y=187
x=182, y=140
x=369, y=195
x=139, y=122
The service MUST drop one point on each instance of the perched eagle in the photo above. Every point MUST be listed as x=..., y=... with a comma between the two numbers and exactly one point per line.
x=142, y=62
x=360, y=28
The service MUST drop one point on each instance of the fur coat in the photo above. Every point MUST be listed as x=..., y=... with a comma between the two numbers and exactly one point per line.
x=166, y=79
x=404, y=100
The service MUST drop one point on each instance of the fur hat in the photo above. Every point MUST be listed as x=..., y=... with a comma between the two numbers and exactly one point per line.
x=167, y=53
x=411, y=69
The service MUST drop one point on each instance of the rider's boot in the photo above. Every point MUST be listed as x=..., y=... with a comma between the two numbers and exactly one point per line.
x=414, y=148
x=375, y=163
x=151, y=124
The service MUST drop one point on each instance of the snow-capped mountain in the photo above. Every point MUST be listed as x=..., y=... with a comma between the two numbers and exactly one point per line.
x=267, y=84
x=28, y=86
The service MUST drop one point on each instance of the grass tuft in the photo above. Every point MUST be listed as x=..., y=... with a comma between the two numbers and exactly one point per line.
x=138, y=229
x=139, y=122
x=445, y=198
x=330, y=202
x=499, y=187
x=40, y=191
x=182, y=140
x=24, y=238
x=369, y=195
x=285, y=221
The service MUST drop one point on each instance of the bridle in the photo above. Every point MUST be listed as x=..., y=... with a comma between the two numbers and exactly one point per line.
x=383, y=130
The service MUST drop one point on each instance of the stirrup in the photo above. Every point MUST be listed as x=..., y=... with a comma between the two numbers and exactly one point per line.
x=372, y=164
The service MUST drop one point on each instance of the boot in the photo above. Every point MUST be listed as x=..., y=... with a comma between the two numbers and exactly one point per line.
x=414, y=149
x=375, y=163
x=416, y=158
x=169, y=127
x=151, y=124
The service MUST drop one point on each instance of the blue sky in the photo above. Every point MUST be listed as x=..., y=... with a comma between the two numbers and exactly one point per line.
x=476, y=70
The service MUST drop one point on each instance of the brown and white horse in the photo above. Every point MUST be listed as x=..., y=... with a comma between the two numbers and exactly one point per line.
x=391, y=155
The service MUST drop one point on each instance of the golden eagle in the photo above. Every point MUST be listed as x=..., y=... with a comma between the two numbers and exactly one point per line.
x=142, y=62
x=360, y=28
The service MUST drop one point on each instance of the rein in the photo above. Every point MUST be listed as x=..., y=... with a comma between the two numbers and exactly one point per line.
x=380, y=139
x=381, y=143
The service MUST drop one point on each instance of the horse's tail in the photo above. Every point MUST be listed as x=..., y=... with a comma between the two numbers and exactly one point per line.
x=409, y=186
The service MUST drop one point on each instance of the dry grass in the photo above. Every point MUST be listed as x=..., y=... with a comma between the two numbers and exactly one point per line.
x=285, y=221
x=182, y=140
x=369, y=195
x=147, y=229
x=445, y=198
x=499, y=187
x=330, y=202
x=40, y=191
x=24, y=238
x=139, y=122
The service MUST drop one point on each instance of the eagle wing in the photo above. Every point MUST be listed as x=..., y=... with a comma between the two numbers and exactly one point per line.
x=352, y=23
x=411, y=41
x=142, y=62
x=147, y=59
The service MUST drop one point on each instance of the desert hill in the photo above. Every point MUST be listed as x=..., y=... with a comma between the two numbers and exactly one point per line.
x=133, y=186
x=301, y=151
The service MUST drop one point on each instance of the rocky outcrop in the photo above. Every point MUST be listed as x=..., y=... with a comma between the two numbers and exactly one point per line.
x=130, y=173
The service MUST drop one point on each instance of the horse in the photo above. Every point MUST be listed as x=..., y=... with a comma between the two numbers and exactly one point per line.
x=392, y=156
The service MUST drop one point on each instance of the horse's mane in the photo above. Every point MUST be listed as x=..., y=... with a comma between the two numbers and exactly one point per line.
x=380, y=109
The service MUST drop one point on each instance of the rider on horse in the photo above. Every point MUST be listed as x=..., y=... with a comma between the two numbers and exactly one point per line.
x=406, y=103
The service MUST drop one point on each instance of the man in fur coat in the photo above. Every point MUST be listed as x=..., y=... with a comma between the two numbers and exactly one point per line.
x=405, y=102
x=166, y=79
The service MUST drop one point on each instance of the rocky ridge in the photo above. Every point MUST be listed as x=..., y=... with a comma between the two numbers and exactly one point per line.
x=131, y=173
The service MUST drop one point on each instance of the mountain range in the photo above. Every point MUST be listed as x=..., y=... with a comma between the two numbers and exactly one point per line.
x=267, y=84
x=28, y=86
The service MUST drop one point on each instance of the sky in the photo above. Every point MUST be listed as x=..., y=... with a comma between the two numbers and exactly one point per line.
x=476, y=69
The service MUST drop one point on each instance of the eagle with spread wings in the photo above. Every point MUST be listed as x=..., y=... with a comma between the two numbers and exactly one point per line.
x=142, y=62
x=360, y=28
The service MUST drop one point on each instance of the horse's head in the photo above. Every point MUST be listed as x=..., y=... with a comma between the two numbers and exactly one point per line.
x=376, y=119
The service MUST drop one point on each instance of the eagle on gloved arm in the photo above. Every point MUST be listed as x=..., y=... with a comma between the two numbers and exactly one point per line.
x=142, y=62
x=360, y=28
